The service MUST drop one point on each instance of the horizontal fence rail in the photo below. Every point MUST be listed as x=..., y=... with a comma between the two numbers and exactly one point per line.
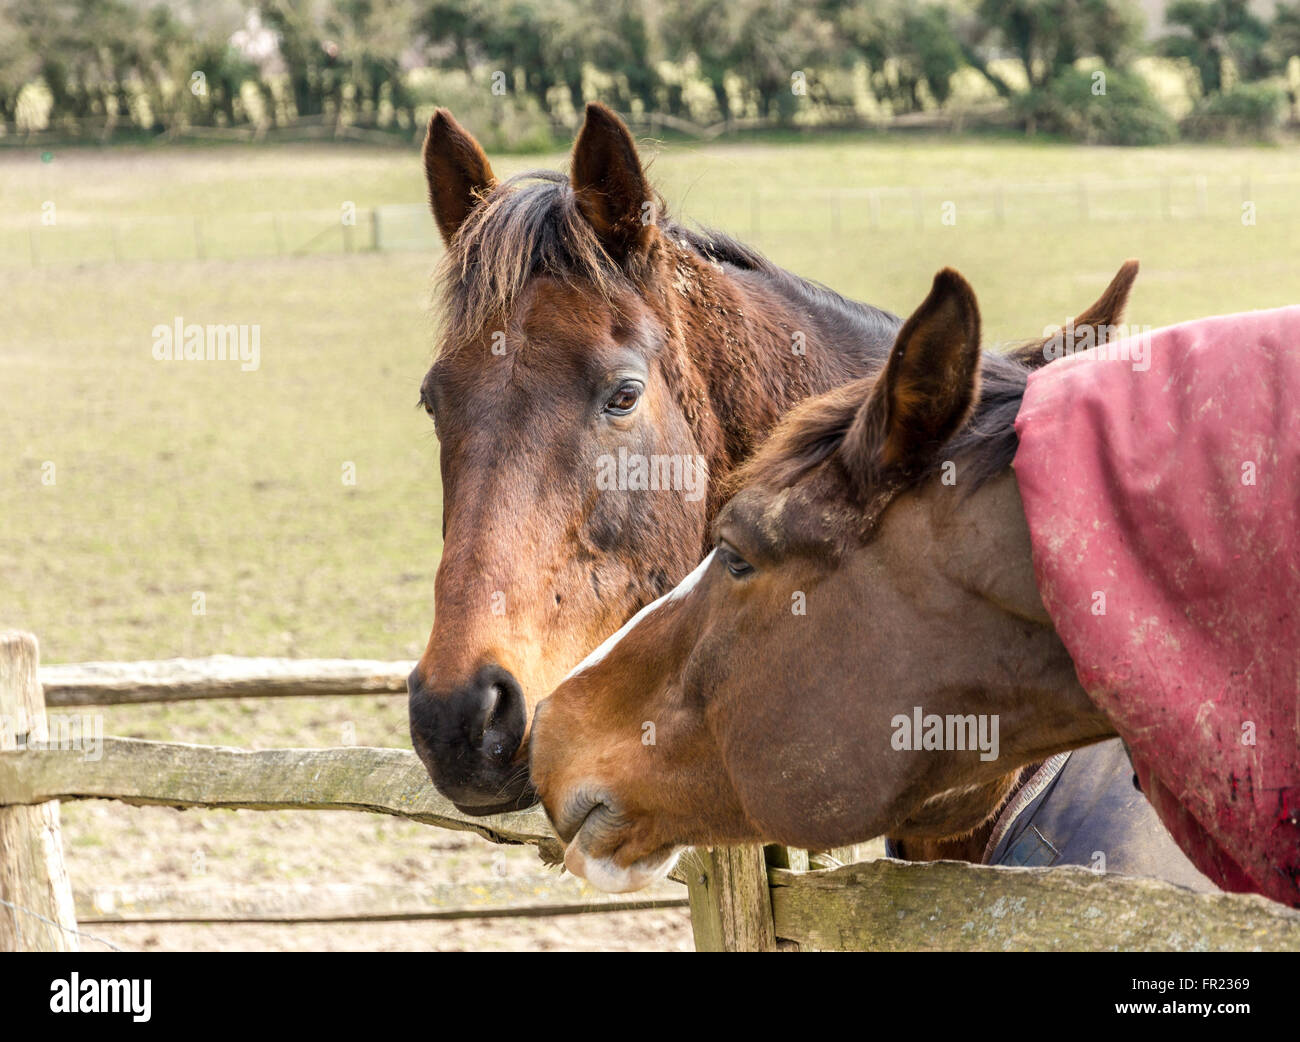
x=756, y=215
x=528, y=896
x=219, y=676
x=952, y=906
x=175, y=774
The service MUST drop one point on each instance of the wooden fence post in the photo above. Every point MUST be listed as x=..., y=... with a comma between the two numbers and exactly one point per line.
x=37, y=910
x=731, y=908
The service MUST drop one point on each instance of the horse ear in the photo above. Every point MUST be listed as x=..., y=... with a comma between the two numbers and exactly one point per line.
x=456, y=170
x=1101, y=318
x=927, y=388
x=611, y=187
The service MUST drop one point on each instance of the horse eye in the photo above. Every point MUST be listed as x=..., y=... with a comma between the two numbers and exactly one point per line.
x=736, y=565
x=624, y=399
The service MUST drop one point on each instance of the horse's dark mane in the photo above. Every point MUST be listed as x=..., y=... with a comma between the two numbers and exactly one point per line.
x=718, y=246
x=988, y=441
x=530, y=225
x=812, y=432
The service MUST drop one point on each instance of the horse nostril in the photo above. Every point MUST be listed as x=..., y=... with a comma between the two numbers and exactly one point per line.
x=500, y=717
x=494, y=696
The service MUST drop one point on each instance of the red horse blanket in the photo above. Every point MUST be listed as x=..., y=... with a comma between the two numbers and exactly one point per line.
x=1161, y=477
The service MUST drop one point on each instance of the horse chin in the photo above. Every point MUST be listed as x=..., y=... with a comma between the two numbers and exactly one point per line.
x=486, y=810
x=603, y=874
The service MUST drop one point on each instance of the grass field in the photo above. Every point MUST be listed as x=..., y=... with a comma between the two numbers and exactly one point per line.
x=171, y=480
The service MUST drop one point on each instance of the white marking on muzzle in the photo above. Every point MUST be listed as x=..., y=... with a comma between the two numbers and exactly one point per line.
x=676, y=593
x=604, y=875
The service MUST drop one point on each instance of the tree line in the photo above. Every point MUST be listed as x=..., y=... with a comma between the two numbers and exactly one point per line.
x=1080, y=68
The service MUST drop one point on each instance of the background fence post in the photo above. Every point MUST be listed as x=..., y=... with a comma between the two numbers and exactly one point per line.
x=34, y=882
x=731, y=907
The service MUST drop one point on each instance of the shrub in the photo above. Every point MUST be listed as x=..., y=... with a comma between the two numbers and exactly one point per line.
x=1100, y=107
x=1246, y=111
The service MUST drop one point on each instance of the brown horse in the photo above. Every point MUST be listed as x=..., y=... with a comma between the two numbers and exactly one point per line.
x=583, y=329
x=875, y=558
x=601, y=370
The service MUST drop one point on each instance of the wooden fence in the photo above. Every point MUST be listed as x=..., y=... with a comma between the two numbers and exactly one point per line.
x=741, y=899
x=839, y=214
x=40, y=908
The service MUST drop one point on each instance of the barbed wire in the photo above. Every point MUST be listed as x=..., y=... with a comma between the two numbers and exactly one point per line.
x=60, y=926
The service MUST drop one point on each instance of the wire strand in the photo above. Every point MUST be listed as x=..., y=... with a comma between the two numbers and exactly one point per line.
x=65, y=929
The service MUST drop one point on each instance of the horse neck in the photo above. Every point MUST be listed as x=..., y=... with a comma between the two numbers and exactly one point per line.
x=1020, y=665
x=757, y=343
x=957, y=824
x=966, y=841
x=1053, y=713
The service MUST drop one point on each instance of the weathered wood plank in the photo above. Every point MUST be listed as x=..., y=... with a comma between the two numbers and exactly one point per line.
x=533, y=895
x=387, y=781
x=730, y=907
x=220, y=676
x=36, y=909
x=952, y=906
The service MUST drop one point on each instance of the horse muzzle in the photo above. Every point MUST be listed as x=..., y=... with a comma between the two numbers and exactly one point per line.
x=470, y=740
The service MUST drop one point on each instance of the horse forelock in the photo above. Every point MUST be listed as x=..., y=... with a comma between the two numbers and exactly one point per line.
x=530, y=225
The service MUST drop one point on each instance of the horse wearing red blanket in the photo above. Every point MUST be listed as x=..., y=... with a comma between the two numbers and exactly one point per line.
x=969, y=563
x=1161, y=488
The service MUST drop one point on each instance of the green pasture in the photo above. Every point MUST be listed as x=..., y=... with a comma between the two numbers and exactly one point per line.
x=175, y=479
